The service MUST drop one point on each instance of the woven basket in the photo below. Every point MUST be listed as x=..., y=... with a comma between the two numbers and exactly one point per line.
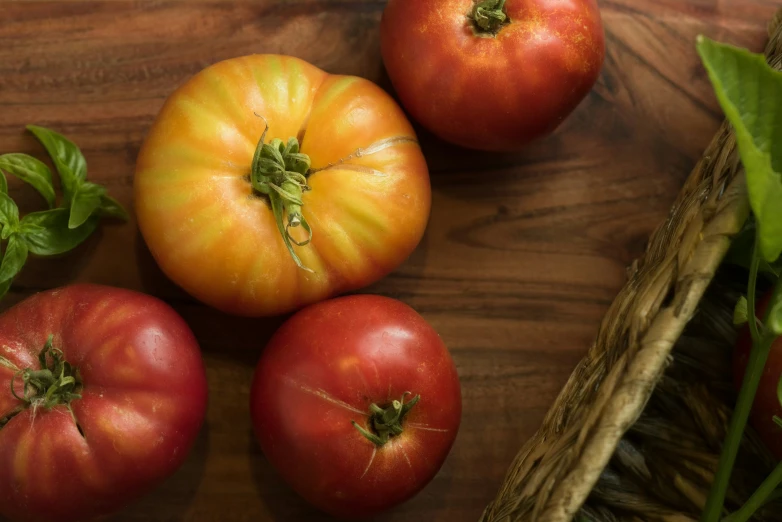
x=636, y=432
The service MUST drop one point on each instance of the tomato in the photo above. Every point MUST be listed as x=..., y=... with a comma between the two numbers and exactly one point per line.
x=126, y=398
x=356, y=402
x=339, y=172
x=766, y=404
x=494, y=74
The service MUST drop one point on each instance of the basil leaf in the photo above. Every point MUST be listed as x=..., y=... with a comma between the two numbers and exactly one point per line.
x=47, y=233
x=749, y=92
x=66, y=156
x=86, y=200
x=31, y=171
x=14, y=258
x=110, y=207
x=9, y=213
x=28, y=228
x=5, y=286
x=3, y=183
x=741, y=312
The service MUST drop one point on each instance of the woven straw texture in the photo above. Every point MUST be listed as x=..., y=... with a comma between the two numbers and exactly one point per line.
x=635, y=434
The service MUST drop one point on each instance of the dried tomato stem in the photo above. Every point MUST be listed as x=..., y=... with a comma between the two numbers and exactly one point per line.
x=387, y=422
x=488, y=17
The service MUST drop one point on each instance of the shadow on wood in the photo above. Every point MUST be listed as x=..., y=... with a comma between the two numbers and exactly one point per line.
x=153, y=280
x=281, y=501
x=43, y=273
x=173, y=498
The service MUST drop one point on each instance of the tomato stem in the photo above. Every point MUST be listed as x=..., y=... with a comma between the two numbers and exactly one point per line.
x=279, y=171
x=387, y=422
x=55, y=383
x=488, y=17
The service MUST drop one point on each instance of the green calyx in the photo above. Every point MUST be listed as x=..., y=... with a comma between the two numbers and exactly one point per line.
x=55, y=383
x=279, y=171
x=489, y=17
x=387, y=422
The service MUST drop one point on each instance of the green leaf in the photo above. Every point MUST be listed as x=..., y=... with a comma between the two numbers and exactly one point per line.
x=3, y=183
x=110, y=207
x=741, y=312
x=9, y=213
x=86, y=200
x=749, y=92
x=741, y=252
x=47, y=233
x=14, y=258
x=778, y=421
x=67, y=157
x=26, y=228
x=743, y=245
x=5, y=287
x=772, y=269
x=31, y=171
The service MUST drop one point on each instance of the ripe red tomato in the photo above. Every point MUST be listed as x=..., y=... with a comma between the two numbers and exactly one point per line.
x=356, y=402
x=766, y=404
x=115, y=409
x=266, y=184
x=492, y=74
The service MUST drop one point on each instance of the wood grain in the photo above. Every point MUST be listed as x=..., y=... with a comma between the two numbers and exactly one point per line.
x=523, y=254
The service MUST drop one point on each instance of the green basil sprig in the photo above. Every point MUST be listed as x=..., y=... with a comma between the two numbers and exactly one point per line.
x=81, y=196
x=56, y=230
x=750, y=94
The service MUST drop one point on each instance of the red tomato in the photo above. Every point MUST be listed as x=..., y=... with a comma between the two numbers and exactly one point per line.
x=499, y=86
x=129, y=397
x=323, y=386
x=766, y=404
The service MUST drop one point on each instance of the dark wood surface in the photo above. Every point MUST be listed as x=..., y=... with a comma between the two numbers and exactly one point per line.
x=523, y=253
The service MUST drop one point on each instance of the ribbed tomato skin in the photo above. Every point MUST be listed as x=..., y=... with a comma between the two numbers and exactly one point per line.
x=368, y=205
x=322, y=370
x=143, y=402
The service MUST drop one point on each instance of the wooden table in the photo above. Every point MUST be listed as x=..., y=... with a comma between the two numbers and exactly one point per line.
x=523, y=254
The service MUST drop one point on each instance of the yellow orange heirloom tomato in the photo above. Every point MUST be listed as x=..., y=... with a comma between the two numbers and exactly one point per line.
x=266, y=184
